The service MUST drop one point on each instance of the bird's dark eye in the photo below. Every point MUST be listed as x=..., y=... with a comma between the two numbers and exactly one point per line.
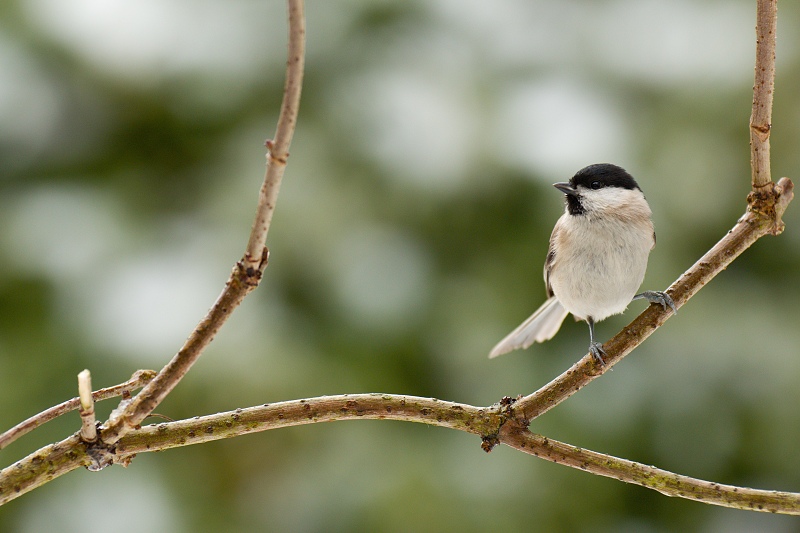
x=596, y=185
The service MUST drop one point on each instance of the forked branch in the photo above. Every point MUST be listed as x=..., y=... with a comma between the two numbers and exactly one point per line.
x=138, y=379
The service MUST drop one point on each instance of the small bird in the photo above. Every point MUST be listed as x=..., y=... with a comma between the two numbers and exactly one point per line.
x=597, y=257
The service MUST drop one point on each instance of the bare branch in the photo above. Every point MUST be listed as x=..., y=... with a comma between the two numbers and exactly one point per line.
x=483, y=421
x=763, y=90
x=42, y=466
x=493, y=424
x=88, y=431
x=763, y=217
x=246, y=274
x=236, y=288
x=279, y=146
x=138, y=379
x=55, y=460
x=665, y=482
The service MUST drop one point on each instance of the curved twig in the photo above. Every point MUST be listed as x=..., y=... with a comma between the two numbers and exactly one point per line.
x=279, y=146
x=246, y=274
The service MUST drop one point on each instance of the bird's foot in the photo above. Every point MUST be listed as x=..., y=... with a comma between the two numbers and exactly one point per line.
x=658, y=297
x=597, y=351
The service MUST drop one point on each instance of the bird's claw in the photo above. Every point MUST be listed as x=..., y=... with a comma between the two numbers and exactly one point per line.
x=658, y=297
x=597, y=351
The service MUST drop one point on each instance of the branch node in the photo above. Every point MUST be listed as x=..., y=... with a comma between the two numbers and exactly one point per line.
x=505, y=408
x=269, y=144
x=762, y=200
x=489, y=442
x=249, y=275
x=762, y=131
x=770, y=201
x=101, y=454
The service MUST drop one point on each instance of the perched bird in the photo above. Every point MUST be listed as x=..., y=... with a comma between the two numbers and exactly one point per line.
x=597, y=257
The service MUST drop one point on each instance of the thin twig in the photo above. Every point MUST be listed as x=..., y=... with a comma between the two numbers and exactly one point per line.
x=763, y=89
x=138, y=379
x=763, y=217
x=246, y=274
x=279, y=146
x=491, y=423
x=236, y=288
x=88, y=431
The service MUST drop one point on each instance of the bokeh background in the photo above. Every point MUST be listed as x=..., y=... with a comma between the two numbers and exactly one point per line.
x=409, y=238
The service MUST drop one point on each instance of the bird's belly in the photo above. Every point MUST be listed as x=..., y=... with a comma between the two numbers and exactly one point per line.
x=599, y=285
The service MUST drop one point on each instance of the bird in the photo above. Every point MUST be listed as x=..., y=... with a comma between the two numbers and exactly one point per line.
x=596, y=260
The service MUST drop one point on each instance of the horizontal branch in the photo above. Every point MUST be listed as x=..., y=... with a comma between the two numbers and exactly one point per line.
x=483, y=421
x=493, y=424
x=57, y=459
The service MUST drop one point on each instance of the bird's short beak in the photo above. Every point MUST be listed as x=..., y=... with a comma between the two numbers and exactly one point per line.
x=566, y=188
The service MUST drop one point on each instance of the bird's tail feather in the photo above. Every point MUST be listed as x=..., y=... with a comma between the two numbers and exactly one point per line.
x=539, y=327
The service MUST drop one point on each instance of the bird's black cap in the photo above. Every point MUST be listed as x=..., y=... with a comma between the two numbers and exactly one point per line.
x=603, y=175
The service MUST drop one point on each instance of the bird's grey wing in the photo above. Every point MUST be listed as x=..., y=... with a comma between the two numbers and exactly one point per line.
x=548, y=264
x=551, y=258
x=539, y=327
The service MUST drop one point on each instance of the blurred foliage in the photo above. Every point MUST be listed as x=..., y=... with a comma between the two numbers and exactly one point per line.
x=409, y=238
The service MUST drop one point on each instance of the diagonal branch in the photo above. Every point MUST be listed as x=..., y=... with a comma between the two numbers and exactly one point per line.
x=246, y=274
x=650, y=477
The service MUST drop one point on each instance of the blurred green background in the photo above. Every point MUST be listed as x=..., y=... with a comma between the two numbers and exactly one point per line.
x=409, y=238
